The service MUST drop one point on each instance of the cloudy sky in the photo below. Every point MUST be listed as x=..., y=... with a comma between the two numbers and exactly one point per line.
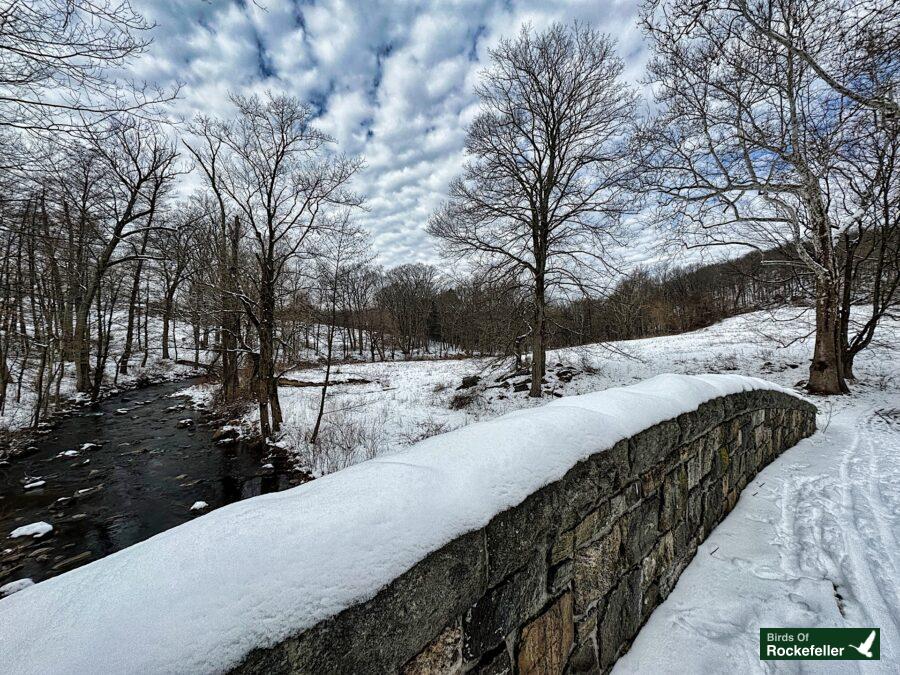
x=392, y=80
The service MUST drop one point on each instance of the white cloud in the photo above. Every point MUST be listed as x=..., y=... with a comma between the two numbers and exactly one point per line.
x=392, y=80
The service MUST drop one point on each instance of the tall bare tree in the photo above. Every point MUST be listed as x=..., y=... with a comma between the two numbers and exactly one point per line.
x=137, y=163
x=859, y=60
x=279, y=177
x=868, y=185
x=206, y=147
x=747, y=146
x=58, y=65
x=543, y=190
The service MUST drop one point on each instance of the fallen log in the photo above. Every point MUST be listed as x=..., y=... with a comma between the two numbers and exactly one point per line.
x=288, y=382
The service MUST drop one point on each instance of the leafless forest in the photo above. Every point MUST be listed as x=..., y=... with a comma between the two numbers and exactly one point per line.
x=230, y=241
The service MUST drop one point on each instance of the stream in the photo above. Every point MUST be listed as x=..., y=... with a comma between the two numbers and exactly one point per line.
x=140, y=476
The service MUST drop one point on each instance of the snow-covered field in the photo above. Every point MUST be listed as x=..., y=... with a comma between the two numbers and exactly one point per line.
x=408, y=401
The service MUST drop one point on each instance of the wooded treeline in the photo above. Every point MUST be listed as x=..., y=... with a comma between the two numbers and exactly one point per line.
x=787, y=147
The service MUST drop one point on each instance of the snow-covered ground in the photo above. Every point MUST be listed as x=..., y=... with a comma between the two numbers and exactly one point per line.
x=408, y=401
x=314, y=338
x=19, y=413
x=813, y=542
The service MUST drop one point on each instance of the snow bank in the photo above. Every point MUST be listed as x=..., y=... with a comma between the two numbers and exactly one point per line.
x=199, y=597
x=36, y=530
x=15, y=587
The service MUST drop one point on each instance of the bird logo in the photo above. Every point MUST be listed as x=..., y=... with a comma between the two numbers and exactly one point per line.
x=865, y=648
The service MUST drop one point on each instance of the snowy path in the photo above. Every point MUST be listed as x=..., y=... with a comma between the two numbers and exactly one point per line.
x=812, y=542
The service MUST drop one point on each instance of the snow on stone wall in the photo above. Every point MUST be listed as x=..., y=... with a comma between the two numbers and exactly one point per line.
x=536, y=540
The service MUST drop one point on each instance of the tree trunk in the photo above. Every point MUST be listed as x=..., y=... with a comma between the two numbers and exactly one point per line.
x=39, y=389
x=267, y=384
x=313, y=437
x=81, y=349
x=315, y=432
x=146, y=326
x=826, y=374
x=847, y=364
x=167, y=319
x=230, y=382
x=231, y=318
x=196, y=343
x=538, y=338
x=262, y=399
x=132, y=303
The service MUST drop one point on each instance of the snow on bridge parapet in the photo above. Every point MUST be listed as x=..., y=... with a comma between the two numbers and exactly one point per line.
x=545, y=535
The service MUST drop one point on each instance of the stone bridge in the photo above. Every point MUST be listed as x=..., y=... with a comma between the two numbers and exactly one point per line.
x=536, y=542
x=563, y=581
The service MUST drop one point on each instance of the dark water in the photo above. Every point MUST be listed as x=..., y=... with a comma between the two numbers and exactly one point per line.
x=141, y=480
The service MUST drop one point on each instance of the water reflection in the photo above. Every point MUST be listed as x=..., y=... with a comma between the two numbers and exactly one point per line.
x=141, y=479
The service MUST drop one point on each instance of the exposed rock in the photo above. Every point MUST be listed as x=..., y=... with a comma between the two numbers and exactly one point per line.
x=545, y=642
x=230, y=433
x=495, y=663
x=443, y=655
x=469, y=381
x=596, y=569
x=463, y=400
x=74, y=560
x=502, y=609
x=88, y=492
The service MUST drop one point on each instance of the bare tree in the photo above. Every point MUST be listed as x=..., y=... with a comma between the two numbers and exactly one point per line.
x=747, y=144
x=406, y=295
x=279, y=178
x=58, y=60
x=173, y=248
x=543, y=190
x=868, y=186
x=341, y=249
x=206, y=147
x=137, y=163
x=859, y=60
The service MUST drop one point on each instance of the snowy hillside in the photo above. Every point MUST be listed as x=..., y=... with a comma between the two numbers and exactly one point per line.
x=404, y=402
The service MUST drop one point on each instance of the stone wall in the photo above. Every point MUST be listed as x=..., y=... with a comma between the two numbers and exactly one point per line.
x=563, y=581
